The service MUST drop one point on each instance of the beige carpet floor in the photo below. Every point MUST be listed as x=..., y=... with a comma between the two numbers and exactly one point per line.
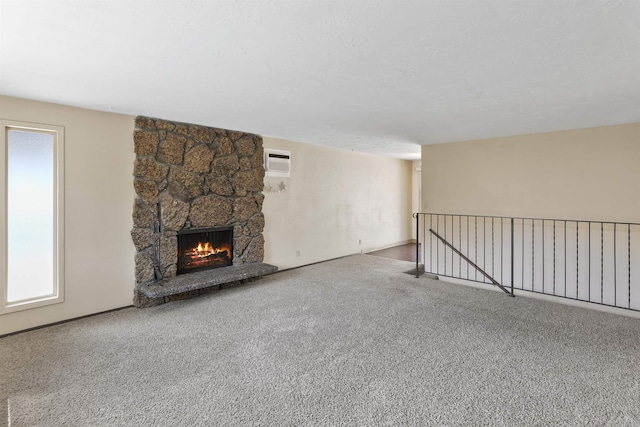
x=353, y=341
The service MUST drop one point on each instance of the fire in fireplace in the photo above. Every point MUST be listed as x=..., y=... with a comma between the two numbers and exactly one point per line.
x=204, y=248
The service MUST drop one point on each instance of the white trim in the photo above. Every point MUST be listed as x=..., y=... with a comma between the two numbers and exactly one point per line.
x=58, y=211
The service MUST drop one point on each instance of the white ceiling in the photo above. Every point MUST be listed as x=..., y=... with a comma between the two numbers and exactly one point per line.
x=378, y=76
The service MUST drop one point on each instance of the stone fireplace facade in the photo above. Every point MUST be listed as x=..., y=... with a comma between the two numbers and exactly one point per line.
x=187, y=177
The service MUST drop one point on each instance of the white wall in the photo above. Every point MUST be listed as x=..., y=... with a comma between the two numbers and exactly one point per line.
x=337, y=202
x=99, y=253
x=578, y=174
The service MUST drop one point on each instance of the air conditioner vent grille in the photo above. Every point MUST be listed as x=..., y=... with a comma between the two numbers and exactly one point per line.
x=277, y=162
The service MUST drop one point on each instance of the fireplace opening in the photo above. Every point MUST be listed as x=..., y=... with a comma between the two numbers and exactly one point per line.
x=204, y=248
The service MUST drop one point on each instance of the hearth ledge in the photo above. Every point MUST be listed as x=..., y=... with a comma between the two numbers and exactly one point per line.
x=206, y=279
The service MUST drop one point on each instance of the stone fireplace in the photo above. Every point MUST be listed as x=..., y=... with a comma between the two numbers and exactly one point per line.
x=193, y=179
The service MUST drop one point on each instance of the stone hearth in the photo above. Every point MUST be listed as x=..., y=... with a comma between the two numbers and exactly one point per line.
x=187, y=177
x=194, y=284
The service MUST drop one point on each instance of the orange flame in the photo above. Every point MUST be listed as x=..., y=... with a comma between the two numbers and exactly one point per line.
x=204, y=250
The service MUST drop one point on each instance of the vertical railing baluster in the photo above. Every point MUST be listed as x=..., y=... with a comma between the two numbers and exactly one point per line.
x=438, y=243
x=577, y=259
x=512, y=255
x=629, y=263
x=484, y=244
x=467, y=220
x=589, y=269
x=565, y=258
x=453, y=240
x=417, y=244
x=476, y=248
x=430, y=243
x=554, y=257
x=601, y=263
x=501, y=248
x=615, y=266
x=492, y=249
x=460, y=245
x=522, y=266
x=444, y=255
x=424, y=246
x=533, y=254
x=543, y=259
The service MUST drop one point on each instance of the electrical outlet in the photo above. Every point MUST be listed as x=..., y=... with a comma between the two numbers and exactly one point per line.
x=359, y=241
x=297, y=253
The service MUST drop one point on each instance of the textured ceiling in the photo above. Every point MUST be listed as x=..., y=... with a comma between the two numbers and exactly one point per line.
x=379, y=76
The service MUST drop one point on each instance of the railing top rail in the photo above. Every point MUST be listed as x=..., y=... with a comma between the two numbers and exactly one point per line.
x=589, y=221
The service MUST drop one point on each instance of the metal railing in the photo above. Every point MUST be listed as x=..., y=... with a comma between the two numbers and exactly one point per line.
x=585, y=260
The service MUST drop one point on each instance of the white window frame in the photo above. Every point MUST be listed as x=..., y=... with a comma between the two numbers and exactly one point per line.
x=58, y=211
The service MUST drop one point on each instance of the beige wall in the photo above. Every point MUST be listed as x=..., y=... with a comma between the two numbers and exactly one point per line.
x=416, y=184
x=578, y=174
x=334, y=199
x=99, y=253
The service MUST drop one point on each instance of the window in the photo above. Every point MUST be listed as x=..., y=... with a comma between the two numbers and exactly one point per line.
x=31, y=215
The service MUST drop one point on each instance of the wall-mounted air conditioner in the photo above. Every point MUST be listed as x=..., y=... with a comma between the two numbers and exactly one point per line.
x=277, y=162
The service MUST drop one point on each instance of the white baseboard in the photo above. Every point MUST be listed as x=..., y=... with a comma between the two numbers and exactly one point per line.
x=548, y=298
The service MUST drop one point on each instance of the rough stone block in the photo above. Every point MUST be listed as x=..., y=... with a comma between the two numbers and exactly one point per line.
x=248, y=181
x=143, y=217
x=240, y=243
x=142, y=238
x=172, y=149
x=235, y=135
x=245, y=146
x=226, y=147
x=245, y=164
x=225, y=166
x=144, y=267
x=146, y=190
x=145, y=142
x=150, y=169
x=198, y=159
x=140, y=300
x=219, y=185
x=259, y=198
x=255, y=250
x=189, y=145
x=144, y=123
x=182, y=129
x=167, y=248
x=185, y=185
x=256, y=224
x=257, y=160
x=244, y=208
x=170, y=271
x=210, y=211
x=165, y=125
x=173, y=213
x=202, y=134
